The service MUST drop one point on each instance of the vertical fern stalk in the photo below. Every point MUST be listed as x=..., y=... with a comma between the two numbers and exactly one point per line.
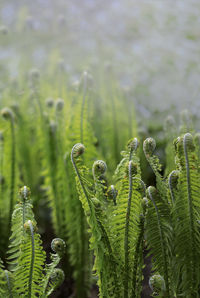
x=8, y=283
x=8, y=115
x=126, y=248
x=186, y=139
x=136, y=257
x=166, y=274
x=80, y=281
x=32, y=258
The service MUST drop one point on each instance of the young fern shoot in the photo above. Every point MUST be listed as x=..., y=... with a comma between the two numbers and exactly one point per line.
x=7, y=114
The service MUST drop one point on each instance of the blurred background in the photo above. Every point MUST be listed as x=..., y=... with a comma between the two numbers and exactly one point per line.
x=152, y=46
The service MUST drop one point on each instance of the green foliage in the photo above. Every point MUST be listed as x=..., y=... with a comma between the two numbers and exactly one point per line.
x=27, y=276
x=116, y=229
x=172, y=223
x=106, y=222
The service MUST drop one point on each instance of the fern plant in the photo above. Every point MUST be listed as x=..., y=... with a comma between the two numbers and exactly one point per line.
x=172, y=222
x=28, y=275
x=116, y=224
x=8, y=177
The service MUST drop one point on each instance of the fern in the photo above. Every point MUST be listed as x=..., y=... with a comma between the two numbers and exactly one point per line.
x=149, y=147
x=105, y=263
x=116, y=228
x=29, y=279
x=125, y=220
x=28, y=274
x=51, y=281
x=158, y=233
x=22, y=213
x=186, y=214
x=8, y=115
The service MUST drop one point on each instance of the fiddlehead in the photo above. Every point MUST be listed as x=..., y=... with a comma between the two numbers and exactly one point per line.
x=149, y=147
x=173, y=181
x=99, y=168
x=50, y=281
x=157, y=285
x=58, y=246
x=49, y=102
x=59, y=104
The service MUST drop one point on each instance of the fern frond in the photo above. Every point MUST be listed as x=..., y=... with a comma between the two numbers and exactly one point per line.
x=186, y=213
x=50, y=282
x=55, y=280
x=8, y=115
x=7, y=284
x=105, y=263
x=136, y=287
x=22, y=213
x=149, y=147
x=126, y=214
x=29, y=272
x=158, y=233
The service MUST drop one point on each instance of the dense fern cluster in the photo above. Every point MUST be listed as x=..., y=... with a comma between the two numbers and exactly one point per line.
x=67, y=149
x=28, y=275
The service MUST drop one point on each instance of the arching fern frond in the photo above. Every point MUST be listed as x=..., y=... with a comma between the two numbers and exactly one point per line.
x=105, y=263
x=159, y=234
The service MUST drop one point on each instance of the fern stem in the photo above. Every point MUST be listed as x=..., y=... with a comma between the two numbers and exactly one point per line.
x=12, y=186
x=32, y=259
x=126, y=252
x=137, y=252
x=171, y=189
x=24, y=197
x=166, y=275
x=171, y=182
x=133, y=147
x=78, y=175
x=8, y=283
x=83, y=240
x=190, y=208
